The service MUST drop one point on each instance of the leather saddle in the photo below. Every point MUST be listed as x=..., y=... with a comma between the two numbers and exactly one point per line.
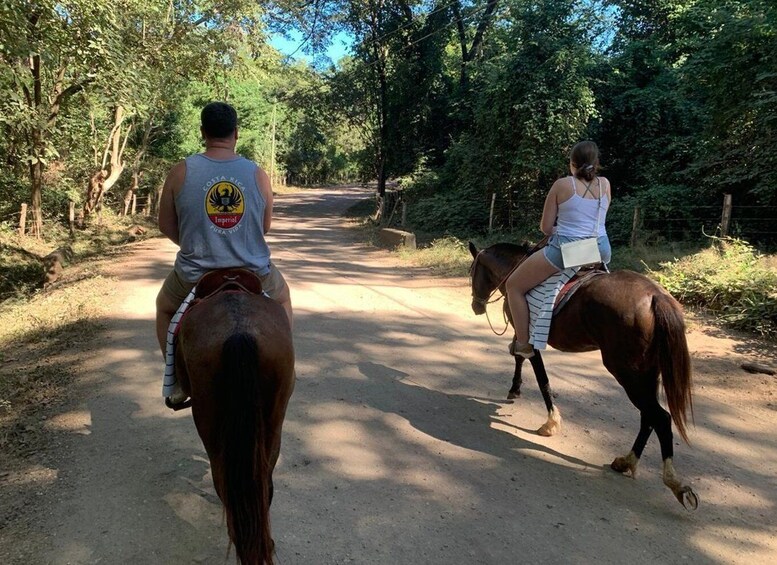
x=583, y=276
x=240, y=280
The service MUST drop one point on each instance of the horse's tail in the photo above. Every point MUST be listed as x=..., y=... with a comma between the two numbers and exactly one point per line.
x=674, y=359
x=245, y=481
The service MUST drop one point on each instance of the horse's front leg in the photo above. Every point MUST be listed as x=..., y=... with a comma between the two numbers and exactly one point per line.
x=553, y=425
x=515, y=390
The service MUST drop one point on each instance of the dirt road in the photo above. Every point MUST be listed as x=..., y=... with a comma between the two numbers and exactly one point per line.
x=398, y=446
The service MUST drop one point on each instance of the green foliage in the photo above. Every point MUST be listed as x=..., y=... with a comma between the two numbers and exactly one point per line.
x=452, y=212
x=523, y=128
x=731, y=280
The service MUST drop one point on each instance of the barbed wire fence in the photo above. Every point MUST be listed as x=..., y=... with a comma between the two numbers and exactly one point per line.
x=637, y=224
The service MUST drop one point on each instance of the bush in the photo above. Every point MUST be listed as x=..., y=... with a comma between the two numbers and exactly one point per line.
x=449, y=213
x=730, y=279
x=445, y=256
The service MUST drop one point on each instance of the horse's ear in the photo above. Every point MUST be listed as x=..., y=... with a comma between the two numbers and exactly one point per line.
x=473, y=250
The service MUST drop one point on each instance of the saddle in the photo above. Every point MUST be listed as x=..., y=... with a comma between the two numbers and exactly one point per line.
x=213, y=282
x=583, y=276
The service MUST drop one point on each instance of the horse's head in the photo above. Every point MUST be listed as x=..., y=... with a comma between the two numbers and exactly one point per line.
x=481, y=288
x=489, y=268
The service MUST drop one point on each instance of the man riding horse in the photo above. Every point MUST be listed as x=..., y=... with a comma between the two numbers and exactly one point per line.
x=214, y=231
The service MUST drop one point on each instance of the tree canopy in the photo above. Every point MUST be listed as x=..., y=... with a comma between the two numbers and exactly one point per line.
x=461, y=99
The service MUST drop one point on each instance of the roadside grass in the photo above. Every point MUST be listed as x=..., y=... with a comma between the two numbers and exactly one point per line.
x=40, y=336
x=286, y=188
x=21, y=257
x=42, y=329
x=731, y=280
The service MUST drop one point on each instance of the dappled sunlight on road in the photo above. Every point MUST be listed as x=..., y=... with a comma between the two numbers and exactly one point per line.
x=399, y=445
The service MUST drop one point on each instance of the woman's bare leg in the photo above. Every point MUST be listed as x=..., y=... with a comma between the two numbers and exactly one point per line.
x=532, y=272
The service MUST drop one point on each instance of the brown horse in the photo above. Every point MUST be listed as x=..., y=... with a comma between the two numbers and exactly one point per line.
x=235, y=359
x=639, y=329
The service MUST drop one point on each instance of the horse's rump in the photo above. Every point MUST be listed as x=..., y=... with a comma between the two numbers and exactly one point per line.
x=612, y=311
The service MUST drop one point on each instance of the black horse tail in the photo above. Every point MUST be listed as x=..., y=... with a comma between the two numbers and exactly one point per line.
x=245, y=482
x=674, y=359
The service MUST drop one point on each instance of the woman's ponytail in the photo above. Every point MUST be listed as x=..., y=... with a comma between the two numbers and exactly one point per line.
x=585, y=158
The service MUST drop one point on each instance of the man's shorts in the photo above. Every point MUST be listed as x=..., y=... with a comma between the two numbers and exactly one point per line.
x=177, y=289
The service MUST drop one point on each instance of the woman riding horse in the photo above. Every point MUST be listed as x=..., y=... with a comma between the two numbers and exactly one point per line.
x=575, y=209
x=639, y=329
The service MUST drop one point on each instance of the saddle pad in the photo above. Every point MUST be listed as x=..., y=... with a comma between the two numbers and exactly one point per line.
x=168, y=386
x=541, y=300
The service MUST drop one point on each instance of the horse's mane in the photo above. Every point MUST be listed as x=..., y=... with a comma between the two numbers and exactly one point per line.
x=509, y=251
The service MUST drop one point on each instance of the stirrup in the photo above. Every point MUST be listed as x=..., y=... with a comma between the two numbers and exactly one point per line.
x=179, y=405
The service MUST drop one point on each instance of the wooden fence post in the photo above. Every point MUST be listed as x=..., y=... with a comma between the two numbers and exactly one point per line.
x=725, y=220
x=22, y=219
x=72, y=218
x=634, y=227
x=491, y=212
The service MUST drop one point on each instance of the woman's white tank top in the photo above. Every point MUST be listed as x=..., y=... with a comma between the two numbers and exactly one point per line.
x=579, y=217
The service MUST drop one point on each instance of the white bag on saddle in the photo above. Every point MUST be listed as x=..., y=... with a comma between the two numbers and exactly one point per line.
x=580, y=252
x=583, y=251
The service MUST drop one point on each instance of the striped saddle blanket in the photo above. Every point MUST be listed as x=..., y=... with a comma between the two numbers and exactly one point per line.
x=542, y=303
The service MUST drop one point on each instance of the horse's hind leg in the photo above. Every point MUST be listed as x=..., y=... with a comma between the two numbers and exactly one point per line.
x=654, y=417
x=553, y=425
x=628, y=463
x=683, y=493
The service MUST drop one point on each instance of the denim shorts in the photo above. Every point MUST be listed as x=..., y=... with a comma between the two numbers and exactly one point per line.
x=552, y=251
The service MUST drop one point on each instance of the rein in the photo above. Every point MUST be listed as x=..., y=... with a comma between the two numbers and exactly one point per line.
x=486, y=301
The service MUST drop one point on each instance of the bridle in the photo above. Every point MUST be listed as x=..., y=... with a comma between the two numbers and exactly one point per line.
x=486, y=301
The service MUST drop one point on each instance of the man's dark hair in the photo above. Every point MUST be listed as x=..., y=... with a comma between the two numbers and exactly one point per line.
x=218, y=119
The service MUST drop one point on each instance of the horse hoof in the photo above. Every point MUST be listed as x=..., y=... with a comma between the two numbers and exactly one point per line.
x=688, y=498
x=623, y=465
x=547, y=431
x=513, y=395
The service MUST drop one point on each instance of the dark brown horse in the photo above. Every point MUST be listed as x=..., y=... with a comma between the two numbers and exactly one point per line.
x=235, y=359
x=639, y=329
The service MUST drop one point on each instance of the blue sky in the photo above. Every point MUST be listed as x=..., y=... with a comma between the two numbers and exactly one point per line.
x=337, y=49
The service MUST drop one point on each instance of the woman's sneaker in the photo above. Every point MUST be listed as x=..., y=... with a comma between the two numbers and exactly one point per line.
x=178, y=400
x=524, y=350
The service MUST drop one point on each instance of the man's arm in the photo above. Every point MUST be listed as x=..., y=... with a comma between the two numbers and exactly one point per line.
x=265, y=188
x=168, y=218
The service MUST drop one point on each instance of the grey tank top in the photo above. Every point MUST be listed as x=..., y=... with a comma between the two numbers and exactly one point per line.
x=220, y=218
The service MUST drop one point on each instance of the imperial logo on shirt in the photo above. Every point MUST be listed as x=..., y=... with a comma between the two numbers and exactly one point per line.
x=224, y=204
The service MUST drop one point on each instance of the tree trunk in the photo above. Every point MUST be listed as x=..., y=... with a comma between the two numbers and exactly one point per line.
x=36, y=182
x=102, y=181
x=131, y=191
x=136, y=172
x=46, y=108
x=468, y=54
x=382, y=114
